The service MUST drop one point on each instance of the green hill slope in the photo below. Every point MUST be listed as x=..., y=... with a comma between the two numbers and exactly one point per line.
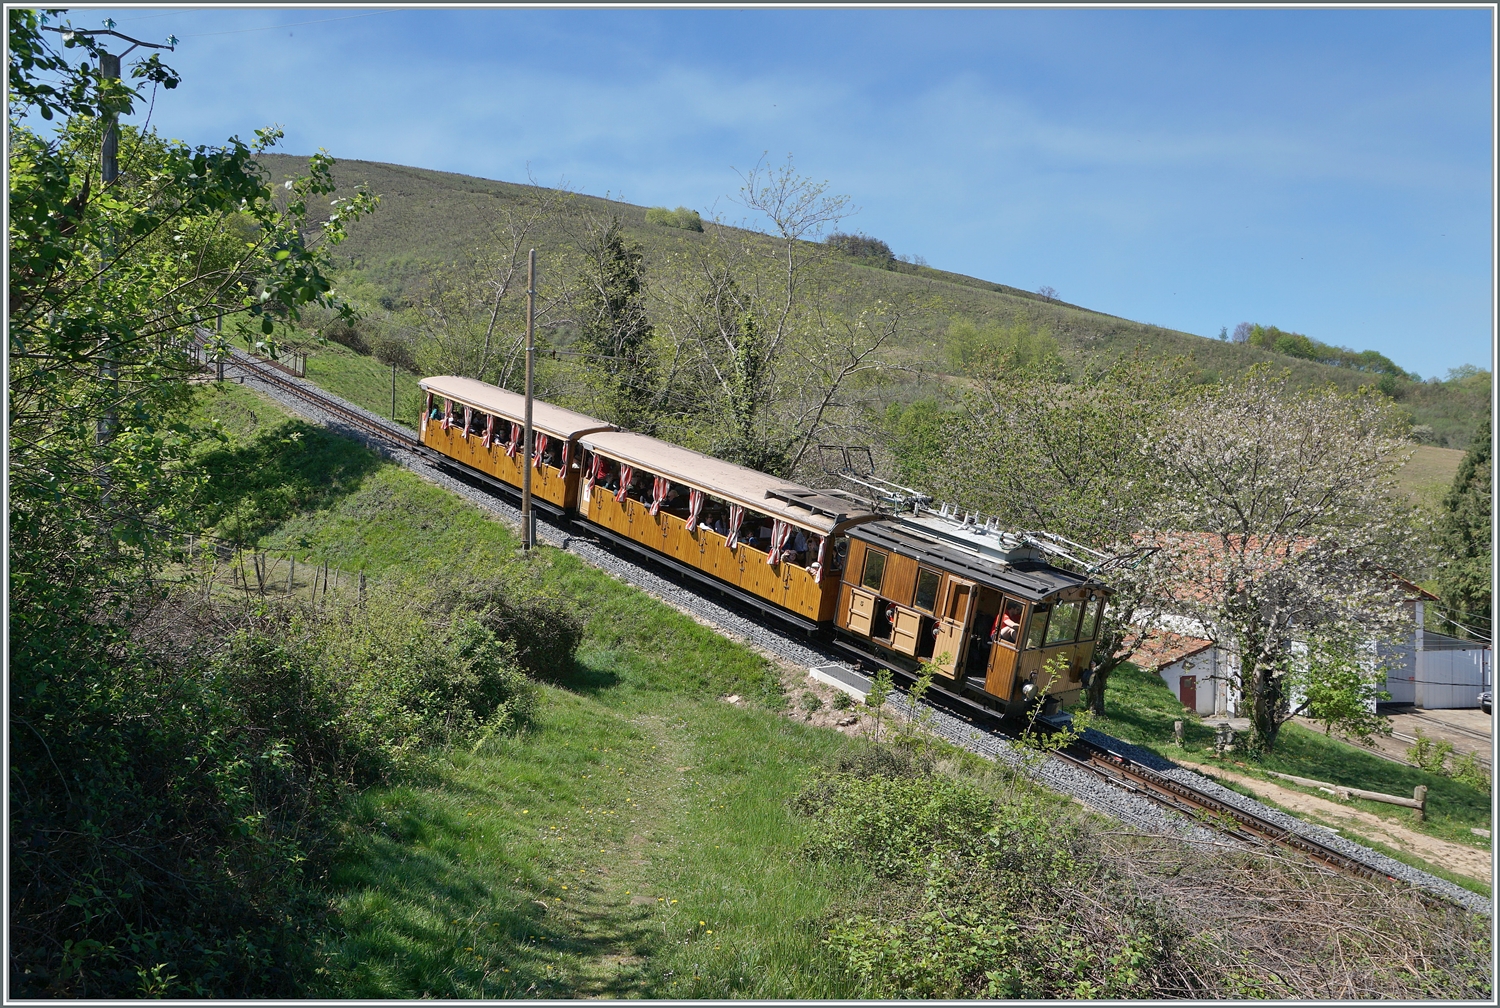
x=429, y=217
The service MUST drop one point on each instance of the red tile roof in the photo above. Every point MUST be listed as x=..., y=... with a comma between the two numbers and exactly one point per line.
x=1161, y=648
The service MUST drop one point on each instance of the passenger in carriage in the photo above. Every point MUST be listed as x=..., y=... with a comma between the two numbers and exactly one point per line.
x=553, y=455
x=1009, y=623
x=436, y=413
x=611, y=476
x=799, y=548
x=720, y=523
x=640, y=487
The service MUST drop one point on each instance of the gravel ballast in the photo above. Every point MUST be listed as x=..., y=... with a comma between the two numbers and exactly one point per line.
x=1133, y=810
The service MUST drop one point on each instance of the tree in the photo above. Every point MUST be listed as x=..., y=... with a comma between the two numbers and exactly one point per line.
x=1285, y=526
x=107, y=281
x=1071, y=459
x=1047, y=293
x=1463, y=533
x=471, y=315
x=762, y=354
x=615, y=333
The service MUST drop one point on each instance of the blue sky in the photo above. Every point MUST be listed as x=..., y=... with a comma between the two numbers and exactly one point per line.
x=1325, y=171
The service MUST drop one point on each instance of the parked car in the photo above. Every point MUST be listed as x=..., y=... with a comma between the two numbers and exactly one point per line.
x=1484, y=701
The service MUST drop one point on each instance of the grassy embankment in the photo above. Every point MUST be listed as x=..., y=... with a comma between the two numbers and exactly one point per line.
x=1141, y=709
x=636, y=839
x=364, y=381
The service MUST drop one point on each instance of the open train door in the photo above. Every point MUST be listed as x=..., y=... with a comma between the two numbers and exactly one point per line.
x=951, y=635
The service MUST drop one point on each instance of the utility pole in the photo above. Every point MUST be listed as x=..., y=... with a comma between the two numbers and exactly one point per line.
x=109, y=171
x=393, y=393
x=528, y=520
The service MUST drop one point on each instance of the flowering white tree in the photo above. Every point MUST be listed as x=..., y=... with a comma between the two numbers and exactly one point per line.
x=1288, y=526
x=1073, y=458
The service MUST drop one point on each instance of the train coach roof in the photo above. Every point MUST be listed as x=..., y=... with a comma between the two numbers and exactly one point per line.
x=1033, y=580
x=553, y=421
x=798, y=505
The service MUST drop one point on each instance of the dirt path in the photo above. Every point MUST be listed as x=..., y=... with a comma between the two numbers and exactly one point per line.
x=1454, y=857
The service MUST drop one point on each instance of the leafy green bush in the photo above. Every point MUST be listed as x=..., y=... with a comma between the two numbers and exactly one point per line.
x=181, y=760
x=861, y=246
x=682, y=217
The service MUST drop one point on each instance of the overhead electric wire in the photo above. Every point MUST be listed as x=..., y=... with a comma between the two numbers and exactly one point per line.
x=295, y=24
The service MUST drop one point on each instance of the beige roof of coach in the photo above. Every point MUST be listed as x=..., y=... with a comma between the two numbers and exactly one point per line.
x=726, y=480
x=554, y=421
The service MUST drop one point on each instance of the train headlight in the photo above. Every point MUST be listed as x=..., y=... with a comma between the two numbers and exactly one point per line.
x=1028, y=691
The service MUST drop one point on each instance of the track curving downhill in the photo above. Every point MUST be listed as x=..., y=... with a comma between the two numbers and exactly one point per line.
x=1133, y=785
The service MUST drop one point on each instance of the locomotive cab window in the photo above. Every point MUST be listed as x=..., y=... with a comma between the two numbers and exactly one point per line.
x=1037, y=627
x=874, y=571
x=927, y=588
x=1090, y=621
x=1062, y=628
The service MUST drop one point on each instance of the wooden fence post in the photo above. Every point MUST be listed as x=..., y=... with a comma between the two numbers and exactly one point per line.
x=1420, y=794
x=1177, y=733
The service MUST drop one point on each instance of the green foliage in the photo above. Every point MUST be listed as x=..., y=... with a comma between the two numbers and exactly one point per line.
x=681, y=218
x=165, y=829
x=1464, y=534
x=1341, y=682
x=882, y=685
x=979, y=892
x=178, y=790
x=810, y=702
x=1297, y=345
x=1436, y=756
x=995, y=352
x=614, y=329
x=861, y=246
x=917, y=436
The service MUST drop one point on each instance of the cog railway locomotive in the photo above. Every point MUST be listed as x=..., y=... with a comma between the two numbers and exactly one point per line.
x=1001, y=622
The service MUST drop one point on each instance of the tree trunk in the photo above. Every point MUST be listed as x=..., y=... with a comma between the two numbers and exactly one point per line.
x=1265, y=721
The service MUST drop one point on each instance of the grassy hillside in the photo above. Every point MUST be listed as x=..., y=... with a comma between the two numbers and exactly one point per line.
x=429, y=217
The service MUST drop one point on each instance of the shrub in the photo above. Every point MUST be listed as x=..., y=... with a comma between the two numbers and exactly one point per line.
x=860, y=246
x=182, y=761
x=349, y=334
x=394, y=350
x=1010, y=894
x=811, y=702
x=682, y=217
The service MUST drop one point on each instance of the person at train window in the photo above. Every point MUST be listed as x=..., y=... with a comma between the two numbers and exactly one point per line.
x=674, y=500
x=437, y=412
x=611, y=477
x=721, y=524
x=1009, y=623
x=799, y=547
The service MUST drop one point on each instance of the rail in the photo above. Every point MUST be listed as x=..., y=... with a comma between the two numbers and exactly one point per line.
x=1243, y=825
x=1119, y=770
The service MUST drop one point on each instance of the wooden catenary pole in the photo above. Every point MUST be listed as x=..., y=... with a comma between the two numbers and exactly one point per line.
x=528, y=520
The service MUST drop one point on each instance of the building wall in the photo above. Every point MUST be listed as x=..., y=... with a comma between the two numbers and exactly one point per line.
x=1209, y=666
x=1444, y=674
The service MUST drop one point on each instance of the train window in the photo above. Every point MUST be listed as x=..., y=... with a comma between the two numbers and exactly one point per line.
x=927, y=589
x=1008, y=623
x=1036, y=629
x=874, y=569
x=1091, y=616
x=1063, y=627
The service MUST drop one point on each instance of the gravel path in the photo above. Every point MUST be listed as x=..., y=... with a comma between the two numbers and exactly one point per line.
x=1089, y=789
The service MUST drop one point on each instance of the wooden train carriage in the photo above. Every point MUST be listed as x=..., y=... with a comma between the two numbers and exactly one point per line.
x=803, y=583
x=481, y=426
x=918, y=592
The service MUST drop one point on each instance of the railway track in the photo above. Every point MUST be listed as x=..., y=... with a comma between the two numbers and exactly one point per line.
x=1245, y=826
x=971, y=722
